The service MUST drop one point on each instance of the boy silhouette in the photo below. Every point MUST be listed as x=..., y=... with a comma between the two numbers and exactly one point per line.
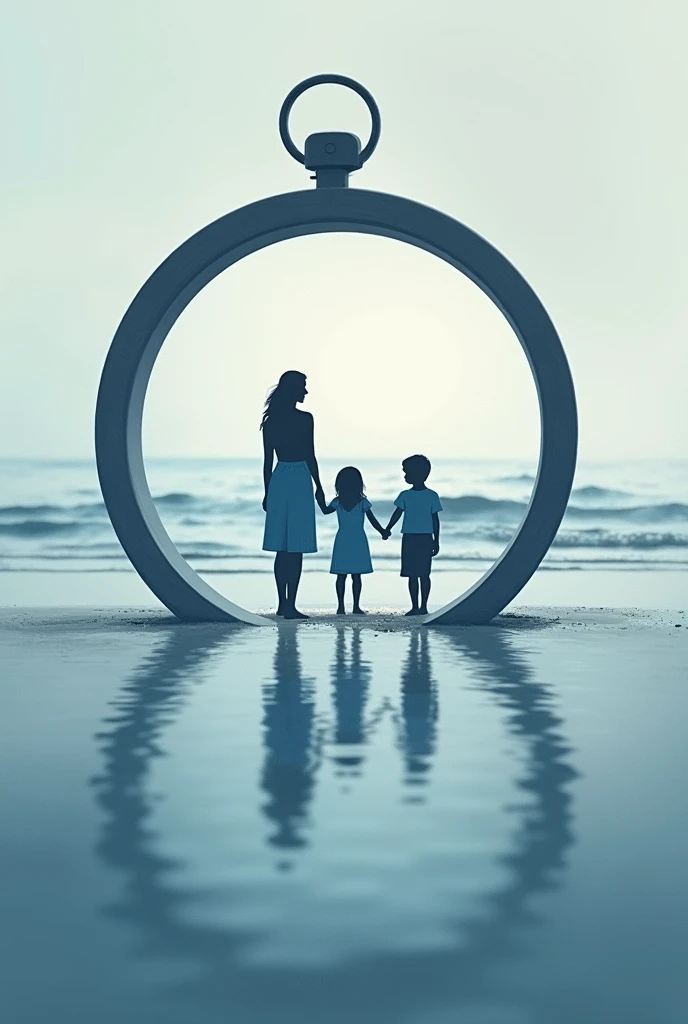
x=420, y=530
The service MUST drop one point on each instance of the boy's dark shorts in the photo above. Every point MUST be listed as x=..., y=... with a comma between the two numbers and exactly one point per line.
x=416, y=554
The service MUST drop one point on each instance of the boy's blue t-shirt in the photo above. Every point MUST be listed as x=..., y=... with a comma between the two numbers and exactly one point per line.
x=418, y=508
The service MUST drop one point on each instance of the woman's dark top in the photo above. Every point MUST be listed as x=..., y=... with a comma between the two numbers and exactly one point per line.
x=291, y=436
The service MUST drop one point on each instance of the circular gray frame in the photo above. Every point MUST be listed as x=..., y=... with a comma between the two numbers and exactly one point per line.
x=201, y=258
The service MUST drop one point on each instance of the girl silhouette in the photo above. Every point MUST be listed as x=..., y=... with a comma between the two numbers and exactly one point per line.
x=288, y=501
x=351, y=554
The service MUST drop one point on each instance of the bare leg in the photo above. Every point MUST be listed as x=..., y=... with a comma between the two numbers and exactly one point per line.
x=339, y=586
x=294, y=561
x=424, y=594
x=281, y=581
x=413, y=591
x=356, y=577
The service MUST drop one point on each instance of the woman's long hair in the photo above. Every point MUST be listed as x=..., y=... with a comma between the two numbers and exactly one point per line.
x=283, y=397
x=349, y=486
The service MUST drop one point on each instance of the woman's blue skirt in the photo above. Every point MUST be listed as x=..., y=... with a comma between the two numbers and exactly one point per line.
x=290, y=517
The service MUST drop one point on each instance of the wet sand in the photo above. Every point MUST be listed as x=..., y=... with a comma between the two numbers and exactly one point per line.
x=344, y=819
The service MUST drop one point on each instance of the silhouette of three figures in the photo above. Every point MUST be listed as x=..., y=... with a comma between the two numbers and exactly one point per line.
x=289, y=504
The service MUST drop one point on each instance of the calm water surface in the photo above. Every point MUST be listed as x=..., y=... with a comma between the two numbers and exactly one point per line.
x=207, y=824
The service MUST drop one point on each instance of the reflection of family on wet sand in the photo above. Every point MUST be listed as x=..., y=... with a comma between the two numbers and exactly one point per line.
x=288, y=434
x=294, y=747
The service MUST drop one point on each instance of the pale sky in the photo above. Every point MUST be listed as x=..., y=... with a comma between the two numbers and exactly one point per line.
x=555, y=130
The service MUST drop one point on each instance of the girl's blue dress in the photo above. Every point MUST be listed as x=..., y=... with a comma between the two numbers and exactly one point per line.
x=351, y=553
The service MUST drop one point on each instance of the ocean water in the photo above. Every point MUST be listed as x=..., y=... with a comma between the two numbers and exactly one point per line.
x=623, y=517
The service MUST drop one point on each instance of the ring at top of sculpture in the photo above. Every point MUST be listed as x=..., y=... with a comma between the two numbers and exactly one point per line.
x=330, y=206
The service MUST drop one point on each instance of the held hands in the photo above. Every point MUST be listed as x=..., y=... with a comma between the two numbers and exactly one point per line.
x=385, y=534
x=320, y=498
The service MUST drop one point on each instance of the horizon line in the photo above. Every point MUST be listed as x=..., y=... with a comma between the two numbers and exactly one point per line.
x=257, y=457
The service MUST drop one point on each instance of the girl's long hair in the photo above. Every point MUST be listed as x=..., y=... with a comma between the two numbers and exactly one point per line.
x=283, y=397
x=349, y=486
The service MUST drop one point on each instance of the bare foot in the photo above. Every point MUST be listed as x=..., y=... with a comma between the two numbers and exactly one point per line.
x=413, y=611
x=358, y=611
x=280, y=609
x=341, y=611
x=423, y=610
x=293, y=613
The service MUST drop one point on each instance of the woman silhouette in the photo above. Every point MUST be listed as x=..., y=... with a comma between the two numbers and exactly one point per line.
x=288, y=501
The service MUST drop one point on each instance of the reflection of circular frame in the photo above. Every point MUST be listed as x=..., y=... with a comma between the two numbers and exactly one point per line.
x=151, y=903
x=206, y=254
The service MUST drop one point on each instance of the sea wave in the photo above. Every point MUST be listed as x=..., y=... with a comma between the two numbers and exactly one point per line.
x=70, y=512
x=198, y=512
x=593, y=493
x=174, y=502
x=520, y=478
x=471, y=506
x=479, y=543
x=590, y=492
x=603, y=539
x=30, y=511
x=38, y=528
x=179, y=499
x=594, y=537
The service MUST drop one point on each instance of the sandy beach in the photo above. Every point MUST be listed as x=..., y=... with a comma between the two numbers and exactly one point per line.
x=61, y=621
x=344, y=819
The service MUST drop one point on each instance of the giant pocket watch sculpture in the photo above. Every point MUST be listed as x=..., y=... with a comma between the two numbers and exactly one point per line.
x=330, y=206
